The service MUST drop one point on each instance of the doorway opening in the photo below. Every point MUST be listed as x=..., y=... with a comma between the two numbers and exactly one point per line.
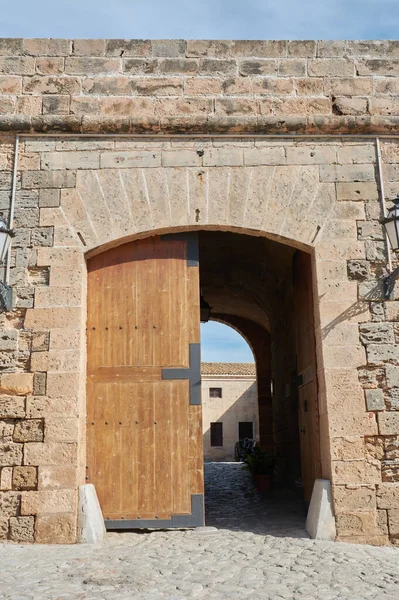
x=144, y=435
x=263, y=290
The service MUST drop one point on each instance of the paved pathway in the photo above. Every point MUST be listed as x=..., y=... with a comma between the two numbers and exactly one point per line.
x=256, y=554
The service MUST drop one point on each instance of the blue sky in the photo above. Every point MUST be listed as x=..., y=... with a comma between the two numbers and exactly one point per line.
x=209, y=19
x=220, y=343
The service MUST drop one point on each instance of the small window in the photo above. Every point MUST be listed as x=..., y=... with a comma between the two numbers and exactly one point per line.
x=216, y=434
x=215, y=392
x=245, y=430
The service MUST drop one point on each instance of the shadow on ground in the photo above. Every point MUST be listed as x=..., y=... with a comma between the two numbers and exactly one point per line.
x=232, y=502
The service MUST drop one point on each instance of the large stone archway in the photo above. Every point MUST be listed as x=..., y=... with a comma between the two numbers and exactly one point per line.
x=100, y=193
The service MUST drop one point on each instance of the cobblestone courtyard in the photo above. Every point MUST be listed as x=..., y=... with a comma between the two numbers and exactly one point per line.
x=260, y=551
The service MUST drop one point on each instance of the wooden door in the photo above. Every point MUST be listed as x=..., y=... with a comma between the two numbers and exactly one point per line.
x=308, y=412
x=144, y=431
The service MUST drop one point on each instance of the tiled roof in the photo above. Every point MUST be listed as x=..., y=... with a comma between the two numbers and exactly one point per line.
x=215, y=368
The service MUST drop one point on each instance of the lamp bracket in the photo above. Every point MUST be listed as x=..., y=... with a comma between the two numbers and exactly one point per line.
x=389, y=284
x=5, y=297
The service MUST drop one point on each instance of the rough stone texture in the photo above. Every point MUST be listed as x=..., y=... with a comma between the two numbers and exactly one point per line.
x=24, y=478
x=192, y=86
x=74, y=195
x=249, y=549
x=22, y=529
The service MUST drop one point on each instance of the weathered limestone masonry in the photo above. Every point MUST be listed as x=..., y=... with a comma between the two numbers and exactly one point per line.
x=75, y=195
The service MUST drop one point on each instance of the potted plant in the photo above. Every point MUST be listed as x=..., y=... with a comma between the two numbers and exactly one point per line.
x=261, y=465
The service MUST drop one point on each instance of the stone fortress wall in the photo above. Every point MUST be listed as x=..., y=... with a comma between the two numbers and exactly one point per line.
x=76, y=194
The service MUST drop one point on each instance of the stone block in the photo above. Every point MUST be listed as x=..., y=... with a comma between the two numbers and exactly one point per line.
x=358, y=523
x=354, y=497
x=22, y=529
x=56, y=105
x=70, y=160
x=64, y=339
x=358, y=270
x=24, y=478
x=4, y=527
x=212, y=66
x=182, y=158
x=29, y=431
x=364, y=153
x=390, y=471
x=392, y=375
x=46, y=47
x=128, y=160
x=348, y=448
x=49, y=65
x=127, y=47
x=8, y=340
x=370, y=230
x=305, y=48
x=9, y=504
x=48, y=179
x=347, y=173
x=236, y=106
x=293, y=67
x=376, y=333
x=202, y=86
x=331, y=67
x=51, y=84
x=12, y=407
x=374, y=399
x=17, y=65
x=50, y=453
x=6, y=479
x=388, y=495
x=56, y=360
x=55, y=478
x=172, y=48
x=264, y=156
x=379, y=66
x=393, y=521
x=378, y=354
x=56, y=529
x=16, y=384
x=89, y=47
x=350, y=472
x=62, y=429
x=39, y=384
x=357, y=191
x=53, y=318
x=91, y=65
x=61, y=384
x=48, y=501
x=43, y=406
x=217, y=157
x=388, y=423
x=311, y=155
x=350, y=106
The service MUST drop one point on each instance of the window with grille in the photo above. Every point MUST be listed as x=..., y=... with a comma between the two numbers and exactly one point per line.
x=245, y=430
x=215, y=392
x=216, y=434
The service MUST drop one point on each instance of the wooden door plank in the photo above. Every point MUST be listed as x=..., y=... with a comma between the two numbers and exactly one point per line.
x=163, y=449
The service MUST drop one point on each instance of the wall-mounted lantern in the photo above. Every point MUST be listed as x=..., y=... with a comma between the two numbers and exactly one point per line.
x=391, y=226
x=5, y=290
x=205, y=310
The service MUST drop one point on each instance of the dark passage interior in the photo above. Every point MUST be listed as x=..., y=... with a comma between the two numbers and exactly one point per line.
x=263, y=289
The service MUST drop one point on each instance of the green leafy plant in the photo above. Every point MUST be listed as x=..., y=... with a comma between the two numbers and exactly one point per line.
x=259, y=462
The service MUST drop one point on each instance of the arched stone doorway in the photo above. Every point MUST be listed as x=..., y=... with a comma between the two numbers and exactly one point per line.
x=253, y=284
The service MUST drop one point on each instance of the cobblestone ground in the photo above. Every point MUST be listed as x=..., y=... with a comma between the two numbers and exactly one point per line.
x=259, y=551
